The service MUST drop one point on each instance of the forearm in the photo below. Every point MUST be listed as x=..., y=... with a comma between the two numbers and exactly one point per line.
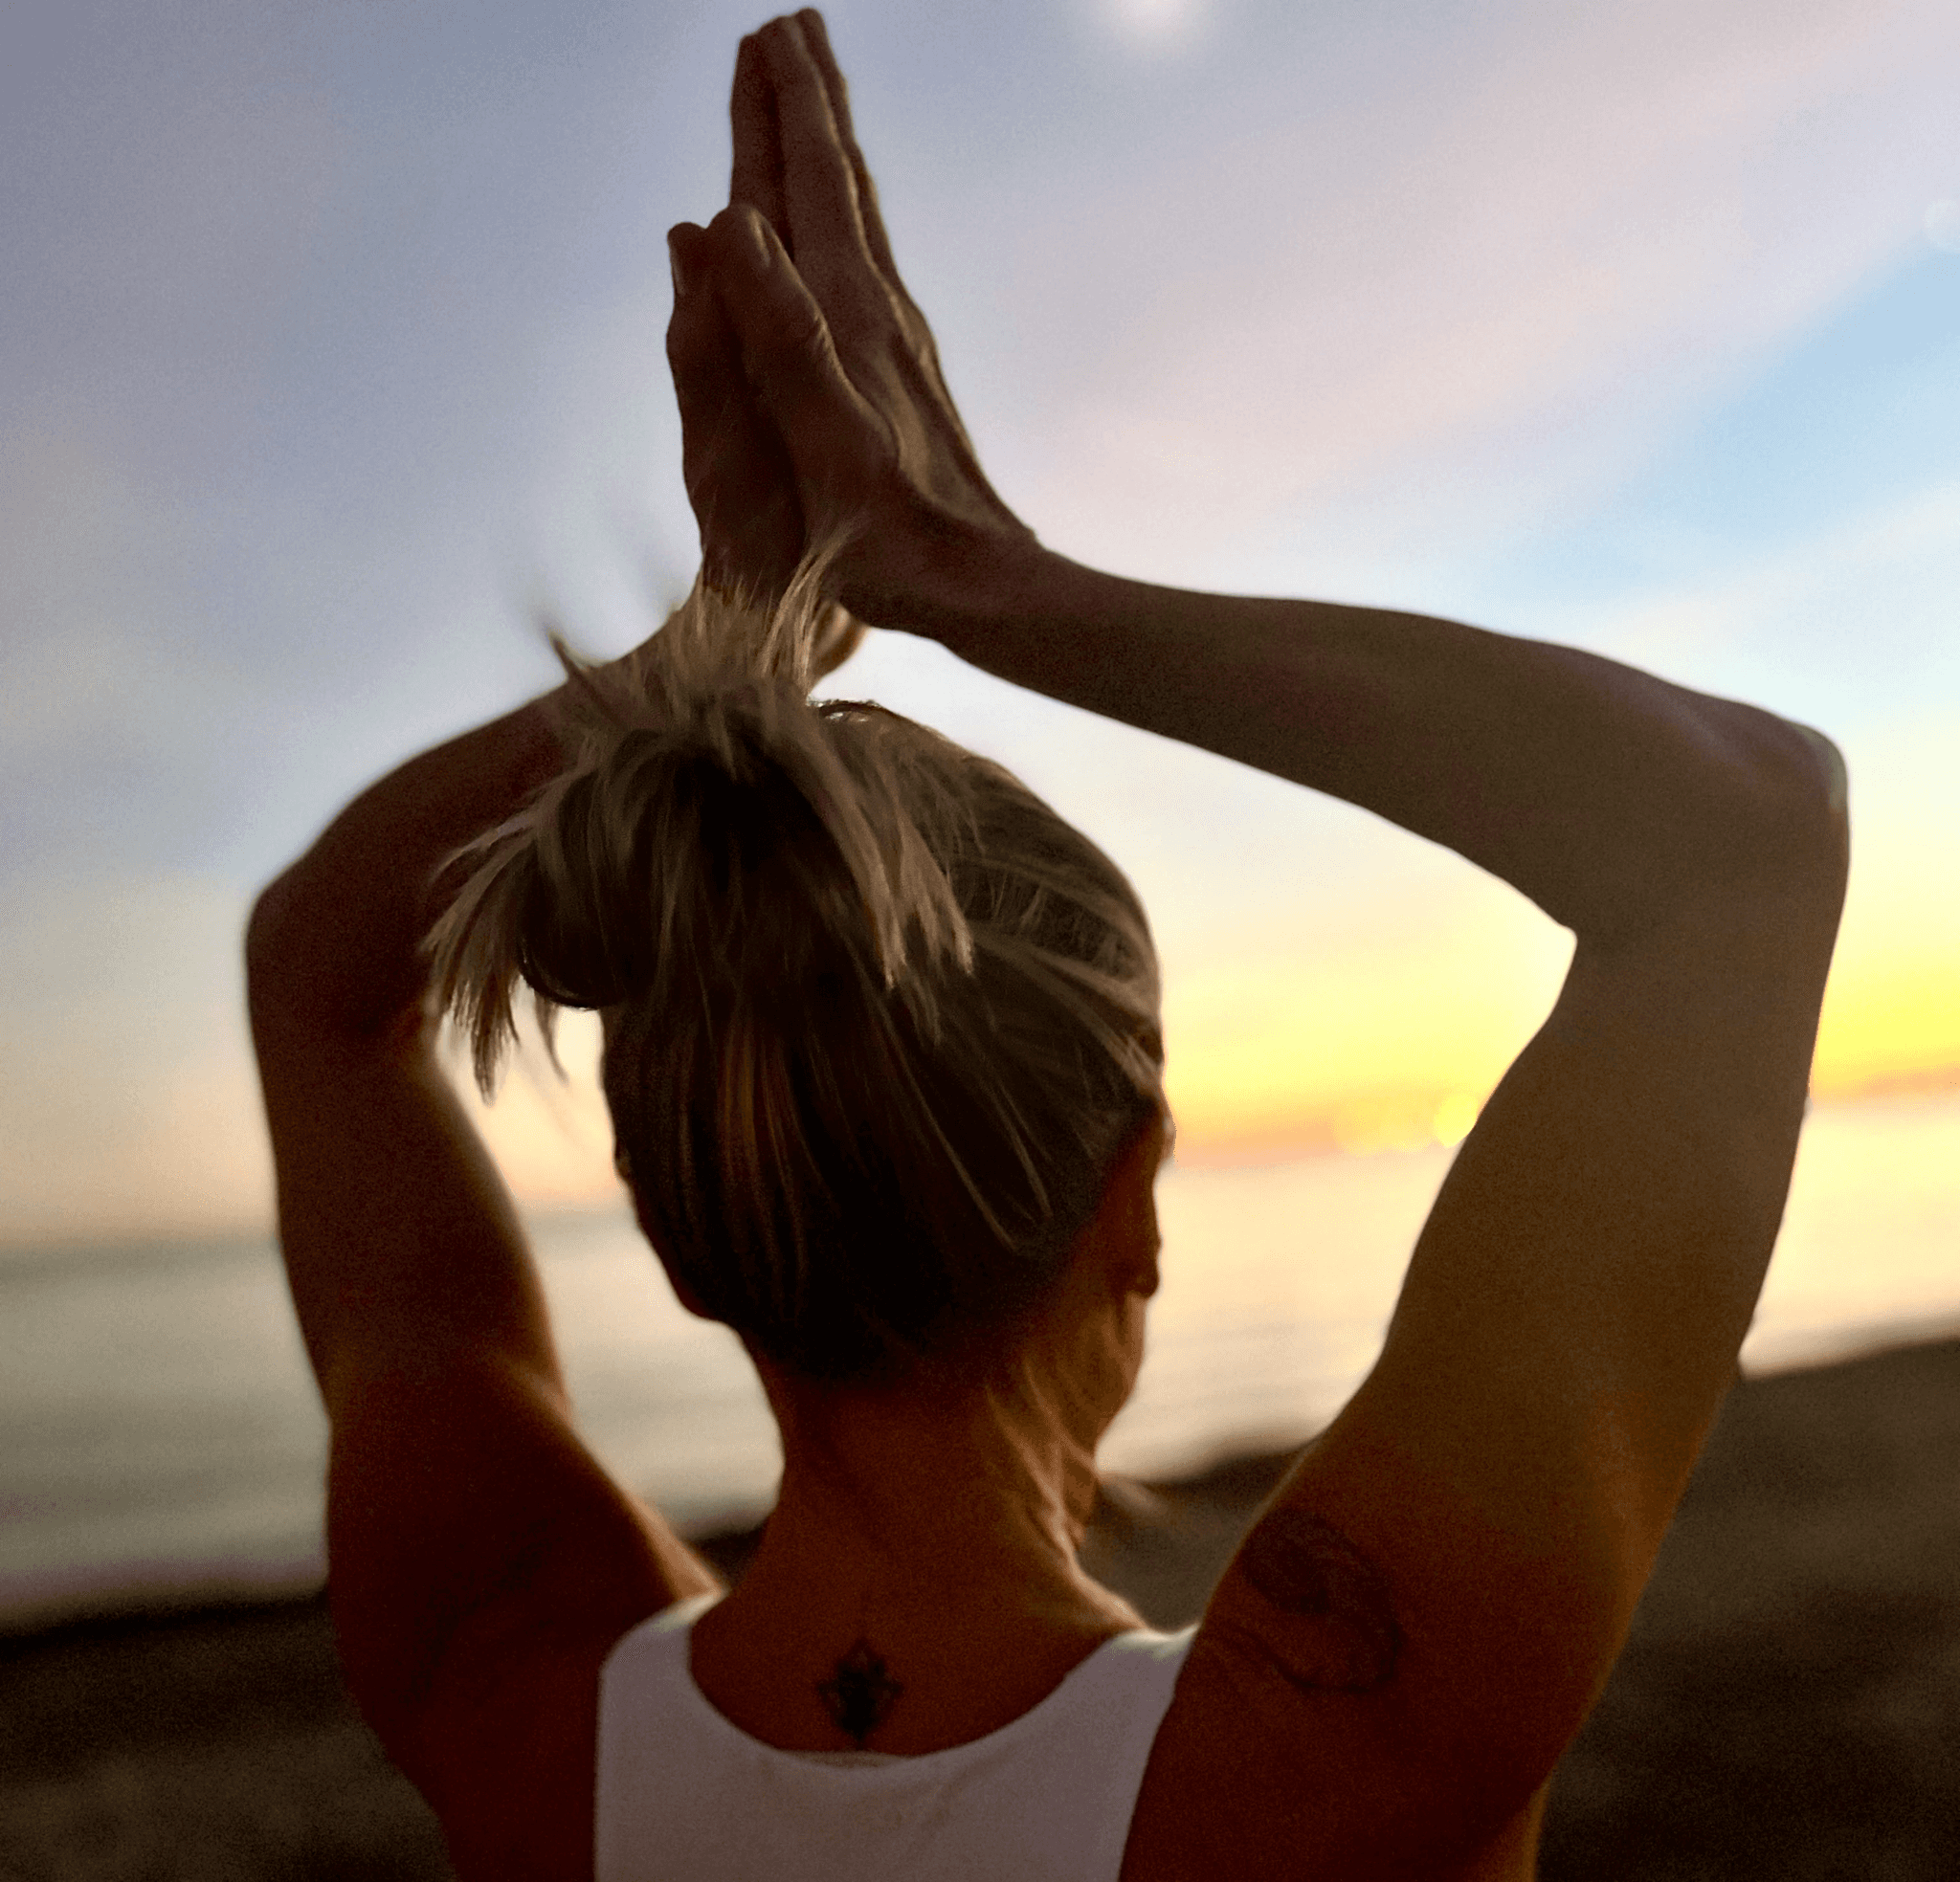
x=1604, y=795
x=335, y=942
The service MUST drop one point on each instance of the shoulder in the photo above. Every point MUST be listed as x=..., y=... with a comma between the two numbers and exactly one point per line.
x=482, y=1564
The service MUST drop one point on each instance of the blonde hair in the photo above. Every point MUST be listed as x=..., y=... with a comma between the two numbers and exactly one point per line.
x=876, y=1020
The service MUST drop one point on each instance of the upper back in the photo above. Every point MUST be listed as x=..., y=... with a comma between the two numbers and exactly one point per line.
x=1389, y=1670
x=681, y=1791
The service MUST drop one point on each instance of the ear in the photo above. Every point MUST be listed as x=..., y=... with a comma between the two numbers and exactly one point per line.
x=1125, y=1229
x=682, y=1292
x=686, y=1296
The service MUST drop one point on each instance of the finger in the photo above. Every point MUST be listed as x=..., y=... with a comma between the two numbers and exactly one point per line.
x=704, y=352
x=819, y=187
x=737, y=471
x=818, y=39
x=788, y=354
x=756, y=177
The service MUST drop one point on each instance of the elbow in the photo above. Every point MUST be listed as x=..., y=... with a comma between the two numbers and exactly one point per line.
x=296, y=982
x=1768, y=872
x=1805, y=817
x=272, y=929
x=272, y=968
x=320, y=962
x=1828, y=800
x=1761, y=846
x=1775, y=826
x=1829, y=781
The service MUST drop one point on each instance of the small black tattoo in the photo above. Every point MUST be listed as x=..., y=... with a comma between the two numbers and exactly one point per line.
x=1305, y=1567
x=860, y=1697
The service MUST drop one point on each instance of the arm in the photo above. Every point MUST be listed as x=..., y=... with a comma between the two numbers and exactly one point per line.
x=1494, y=1497
x=481, y=1561
x=1495, y=1494
x=338, y=990
x=1389, y=1669
x=1604, y=795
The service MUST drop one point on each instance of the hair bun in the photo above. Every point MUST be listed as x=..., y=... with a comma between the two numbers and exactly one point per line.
x=857, y=1128
x=714, y=836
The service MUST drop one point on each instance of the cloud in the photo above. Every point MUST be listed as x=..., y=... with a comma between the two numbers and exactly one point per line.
x=1839, y=624
x=96, y=659
x=1485, y=285
x=316, y=343
x=177, y=172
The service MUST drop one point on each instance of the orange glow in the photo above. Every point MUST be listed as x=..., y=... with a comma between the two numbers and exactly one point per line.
x=1382, y=1049
x=1391, y=1039
x=553, y=1137
x=1393, y=1042
x=1890, y=1024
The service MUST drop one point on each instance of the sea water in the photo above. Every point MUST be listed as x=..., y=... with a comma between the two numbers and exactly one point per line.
x=160, y=1435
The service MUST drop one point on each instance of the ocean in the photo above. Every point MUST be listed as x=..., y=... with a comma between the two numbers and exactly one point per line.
x=159, y=1437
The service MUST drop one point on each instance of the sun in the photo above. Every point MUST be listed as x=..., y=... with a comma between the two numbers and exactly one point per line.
x=1156, y=26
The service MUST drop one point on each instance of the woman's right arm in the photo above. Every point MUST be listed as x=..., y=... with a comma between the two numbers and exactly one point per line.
x=1389, y=1669
x=1431, y=1605
x=1432, y=1602
x=1607, y=796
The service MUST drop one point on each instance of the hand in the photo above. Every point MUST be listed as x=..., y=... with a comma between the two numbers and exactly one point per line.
x=739, y=476
x=838, y=368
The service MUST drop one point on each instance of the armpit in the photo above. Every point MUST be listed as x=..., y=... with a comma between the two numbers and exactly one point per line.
x=1332, y=1627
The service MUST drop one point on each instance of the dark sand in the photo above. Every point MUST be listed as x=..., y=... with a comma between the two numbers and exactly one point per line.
x=1789, y=1705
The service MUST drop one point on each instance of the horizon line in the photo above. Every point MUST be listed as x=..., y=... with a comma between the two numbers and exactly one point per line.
x=1407, y=1122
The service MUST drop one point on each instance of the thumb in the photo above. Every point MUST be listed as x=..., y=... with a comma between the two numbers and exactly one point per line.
x=684, y=257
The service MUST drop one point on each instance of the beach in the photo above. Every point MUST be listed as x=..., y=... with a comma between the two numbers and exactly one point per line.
x=1788, y=1705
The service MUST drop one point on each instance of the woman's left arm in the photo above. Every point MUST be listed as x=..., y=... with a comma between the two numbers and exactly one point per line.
x=396, y=1250
x=336, y=968
x=481, y=1560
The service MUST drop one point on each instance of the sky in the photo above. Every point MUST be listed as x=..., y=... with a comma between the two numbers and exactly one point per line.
x=331, y=352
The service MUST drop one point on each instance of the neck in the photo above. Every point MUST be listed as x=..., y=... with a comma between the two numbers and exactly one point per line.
x=896, y=1503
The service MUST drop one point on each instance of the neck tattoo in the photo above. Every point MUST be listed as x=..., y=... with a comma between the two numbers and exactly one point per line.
x=859, y=1696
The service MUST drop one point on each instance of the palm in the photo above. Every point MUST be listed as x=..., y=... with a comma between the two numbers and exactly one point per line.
x=886, y=452
x=751, y=522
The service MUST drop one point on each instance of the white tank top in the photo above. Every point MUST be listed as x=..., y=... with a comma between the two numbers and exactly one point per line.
x=684, y=1793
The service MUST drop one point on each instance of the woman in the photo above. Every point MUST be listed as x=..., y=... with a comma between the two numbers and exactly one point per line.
x=882, y=1059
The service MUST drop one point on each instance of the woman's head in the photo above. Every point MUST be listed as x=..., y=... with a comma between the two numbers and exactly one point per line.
x=878, y=1022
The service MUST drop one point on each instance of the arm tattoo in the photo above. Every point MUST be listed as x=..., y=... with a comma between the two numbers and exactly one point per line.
x=859, y=1696
x=1313, y=1574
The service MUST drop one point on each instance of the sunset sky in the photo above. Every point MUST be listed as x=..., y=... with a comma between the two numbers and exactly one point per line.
x=331, y=350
